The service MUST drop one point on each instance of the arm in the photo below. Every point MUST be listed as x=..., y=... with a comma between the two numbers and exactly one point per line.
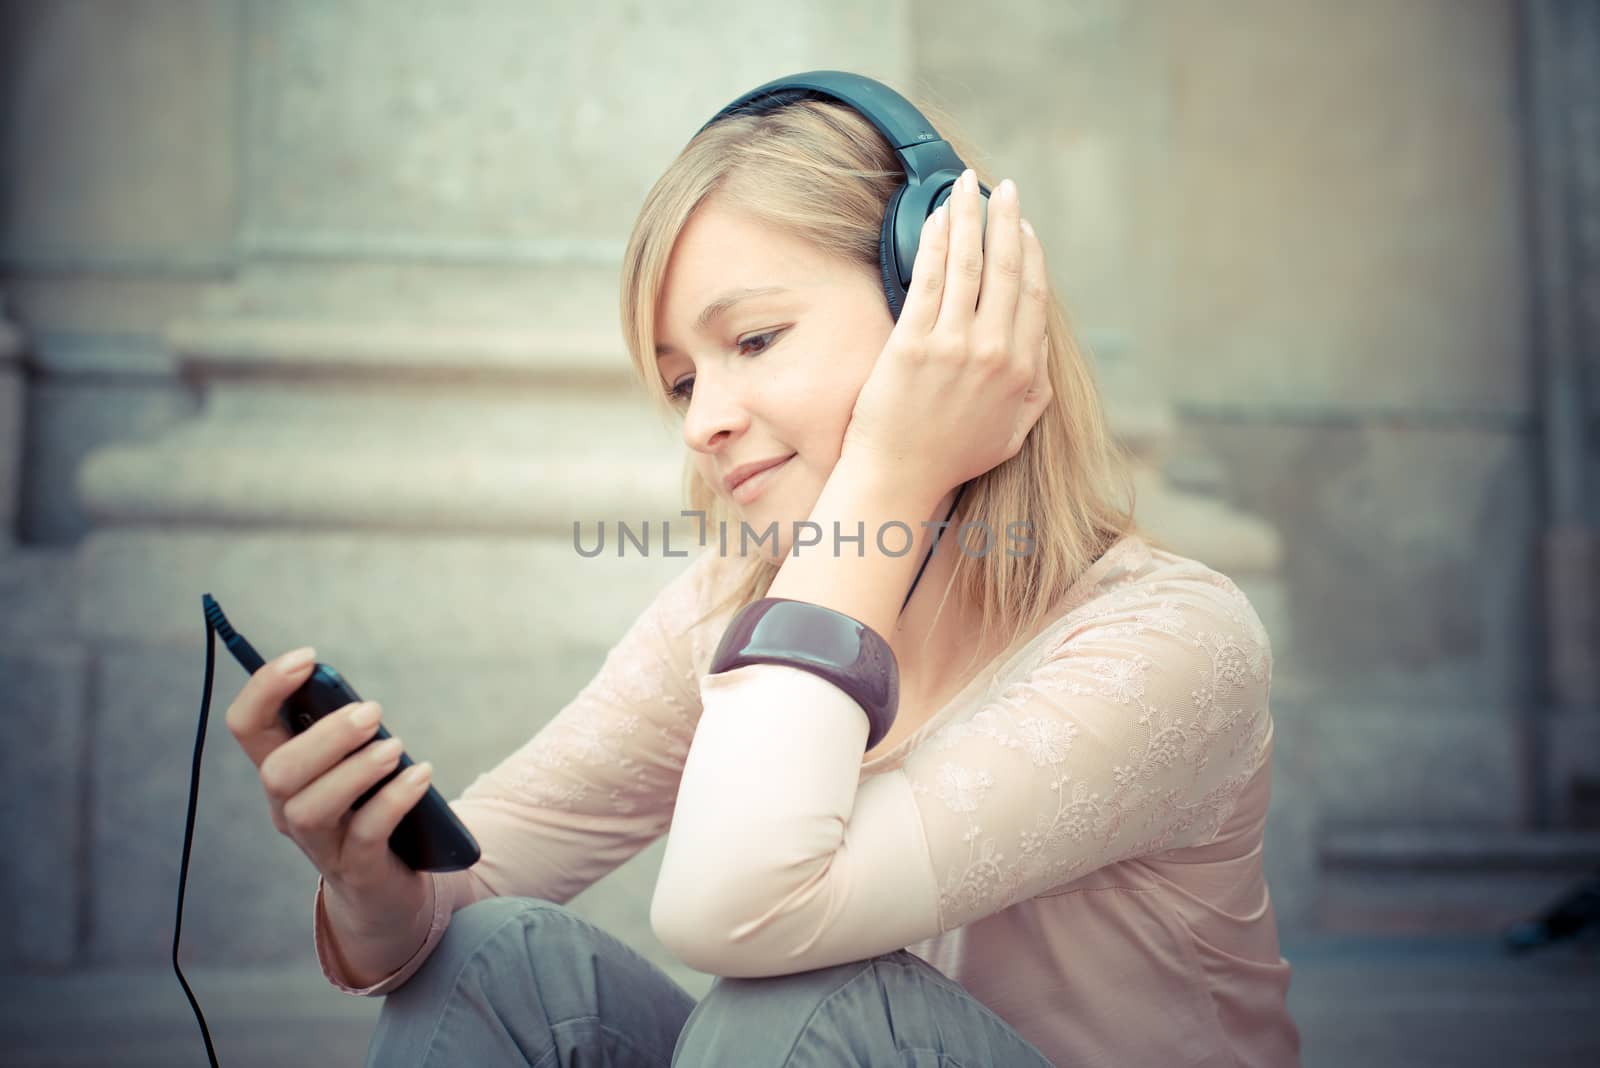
x=589, y=790
x=1133, y=734
x=859, y=496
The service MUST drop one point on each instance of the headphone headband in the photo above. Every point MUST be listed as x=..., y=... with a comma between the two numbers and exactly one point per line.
x=901, y=124
x=930, y=164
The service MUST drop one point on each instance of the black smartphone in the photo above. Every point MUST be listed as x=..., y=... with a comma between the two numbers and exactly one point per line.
x=430, y=837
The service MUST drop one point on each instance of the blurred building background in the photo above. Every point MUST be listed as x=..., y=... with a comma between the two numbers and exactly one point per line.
x=313, y=306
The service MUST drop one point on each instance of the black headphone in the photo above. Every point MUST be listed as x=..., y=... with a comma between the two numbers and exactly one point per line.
x=931, y=165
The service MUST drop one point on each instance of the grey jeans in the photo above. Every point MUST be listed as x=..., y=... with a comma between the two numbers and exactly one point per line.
x=519, y=982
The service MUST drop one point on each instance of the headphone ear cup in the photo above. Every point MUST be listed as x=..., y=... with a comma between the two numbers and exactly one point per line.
x=888, y=261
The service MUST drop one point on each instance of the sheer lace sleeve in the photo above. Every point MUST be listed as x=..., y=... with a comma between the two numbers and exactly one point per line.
x=591, y=789
x=1134, y=731
x=1134, y=736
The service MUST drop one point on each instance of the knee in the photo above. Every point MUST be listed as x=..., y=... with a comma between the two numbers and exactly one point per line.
x=895, y=1008
x=483, y=919
x=760, y=1008
x=798, y=986
x=489, y=974
x=484, y=926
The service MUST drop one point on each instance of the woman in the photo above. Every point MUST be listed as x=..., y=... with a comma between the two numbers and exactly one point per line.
x=1052, y=855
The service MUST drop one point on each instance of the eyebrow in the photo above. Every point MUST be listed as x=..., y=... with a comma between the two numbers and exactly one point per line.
x=722, y=304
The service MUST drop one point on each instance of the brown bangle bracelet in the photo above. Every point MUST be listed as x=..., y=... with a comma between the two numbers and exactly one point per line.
x=829, y=644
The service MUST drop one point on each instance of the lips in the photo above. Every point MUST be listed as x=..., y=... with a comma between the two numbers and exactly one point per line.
x=745, y=472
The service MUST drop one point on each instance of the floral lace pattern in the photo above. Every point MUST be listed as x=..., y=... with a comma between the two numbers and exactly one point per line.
x=1134, y=733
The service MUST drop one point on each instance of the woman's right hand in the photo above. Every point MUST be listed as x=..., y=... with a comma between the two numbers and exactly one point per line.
x=312, y=778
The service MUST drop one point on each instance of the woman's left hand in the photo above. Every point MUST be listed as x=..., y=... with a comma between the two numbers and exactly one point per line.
x=963, y=376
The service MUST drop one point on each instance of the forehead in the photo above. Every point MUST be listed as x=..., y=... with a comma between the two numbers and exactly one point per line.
x=721, y=249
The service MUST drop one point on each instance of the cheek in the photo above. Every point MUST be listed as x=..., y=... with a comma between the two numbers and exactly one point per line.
x=827, y=391
x=816, y=423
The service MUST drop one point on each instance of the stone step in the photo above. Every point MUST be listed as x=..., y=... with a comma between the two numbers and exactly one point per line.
x=1205, y=528
x=426, y=484
x=575, y=289
x=1447, y=880
x=396, y=348
x=422, y=424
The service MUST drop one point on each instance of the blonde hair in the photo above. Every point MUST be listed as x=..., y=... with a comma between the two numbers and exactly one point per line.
x=820, y=172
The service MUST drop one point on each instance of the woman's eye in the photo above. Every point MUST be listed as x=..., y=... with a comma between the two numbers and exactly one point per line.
x=767, y=337
x=683, y=389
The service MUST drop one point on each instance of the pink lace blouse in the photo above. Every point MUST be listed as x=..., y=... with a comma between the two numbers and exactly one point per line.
x=1076, y=837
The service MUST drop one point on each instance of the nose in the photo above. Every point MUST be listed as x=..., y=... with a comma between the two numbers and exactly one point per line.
x=715, y=414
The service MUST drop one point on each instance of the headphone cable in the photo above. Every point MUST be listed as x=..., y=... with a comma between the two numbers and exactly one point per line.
x=935, y=545
x=188, y=834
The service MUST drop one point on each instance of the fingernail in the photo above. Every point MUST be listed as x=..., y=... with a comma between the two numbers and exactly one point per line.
x=298, y=659
x=1006, y=191
x=969, y=178
x=417, y=772
x=365, y=714
x=1027, y=227
x=941, y=216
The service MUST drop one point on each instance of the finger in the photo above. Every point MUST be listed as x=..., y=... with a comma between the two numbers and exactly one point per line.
x=1035, y=400
x=253, y=715
x=322, y=804
x=1032, y=325
x=1032, y=313
x=1002, y=272
x=921, y=308
x=964, y=261
x=371, y=825
x=289, y=769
